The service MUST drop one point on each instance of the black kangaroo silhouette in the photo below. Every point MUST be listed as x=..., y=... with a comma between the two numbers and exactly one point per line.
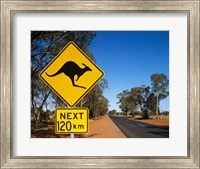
x=71, y=69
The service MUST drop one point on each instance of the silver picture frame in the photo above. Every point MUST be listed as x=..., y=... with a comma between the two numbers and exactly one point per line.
x=10, y=7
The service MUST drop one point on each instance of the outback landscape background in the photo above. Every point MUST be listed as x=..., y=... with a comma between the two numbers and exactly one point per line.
x=135, y=108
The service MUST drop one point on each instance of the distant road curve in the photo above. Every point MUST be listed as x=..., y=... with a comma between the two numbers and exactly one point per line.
x=135, y=129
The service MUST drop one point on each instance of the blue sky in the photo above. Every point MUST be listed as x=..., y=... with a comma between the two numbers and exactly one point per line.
x=129, y=58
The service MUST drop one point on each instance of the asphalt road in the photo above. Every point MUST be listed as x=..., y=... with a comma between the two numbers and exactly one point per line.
x=135, y=129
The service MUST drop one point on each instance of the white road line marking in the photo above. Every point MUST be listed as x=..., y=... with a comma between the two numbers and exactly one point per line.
x=141, y=125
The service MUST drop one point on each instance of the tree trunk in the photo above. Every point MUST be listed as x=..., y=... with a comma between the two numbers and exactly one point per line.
x=157, y=106
x=128, y=112
x=39, y=109
x=36, y=116
x=37, y=112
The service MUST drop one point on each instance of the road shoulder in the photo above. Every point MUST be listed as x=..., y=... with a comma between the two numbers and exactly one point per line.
x=103, y=127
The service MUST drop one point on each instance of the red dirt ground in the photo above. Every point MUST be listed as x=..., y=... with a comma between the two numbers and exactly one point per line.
x=160, y=122
x=156, y=121
x=101, y=127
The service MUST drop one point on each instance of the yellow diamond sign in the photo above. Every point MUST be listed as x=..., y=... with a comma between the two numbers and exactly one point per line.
x=71, y=74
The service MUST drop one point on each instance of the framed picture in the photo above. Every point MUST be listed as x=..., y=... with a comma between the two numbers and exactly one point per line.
x=135, y=123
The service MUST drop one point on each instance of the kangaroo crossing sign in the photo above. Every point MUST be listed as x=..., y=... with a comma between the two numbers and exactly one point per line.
x=71, y=74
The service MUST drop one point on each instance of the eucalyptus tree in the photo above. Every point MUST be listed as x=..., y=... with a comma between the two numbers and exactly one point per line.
x=133, y=99
x=160, y=87
x=125, y=102
x=45, y=45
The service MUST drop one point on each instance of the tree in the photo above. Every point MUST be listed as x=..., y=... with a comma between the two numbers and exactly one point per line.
x=125, y=102
x=131, y=100
x=160, y=85
x=95, y=101
x=144, y=99
x=150, y=103
x=45, y=45
x=112, y=112
x=102, y=106
x=139, y=96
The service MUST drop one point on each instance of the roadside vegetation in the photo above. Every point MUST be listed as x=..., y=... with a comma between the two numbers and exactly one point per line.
x=144, y=100
x=45, y=45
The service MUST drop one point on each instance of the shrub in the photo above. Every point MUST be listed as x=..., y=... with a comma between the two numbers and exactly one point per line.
x=145, y=115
